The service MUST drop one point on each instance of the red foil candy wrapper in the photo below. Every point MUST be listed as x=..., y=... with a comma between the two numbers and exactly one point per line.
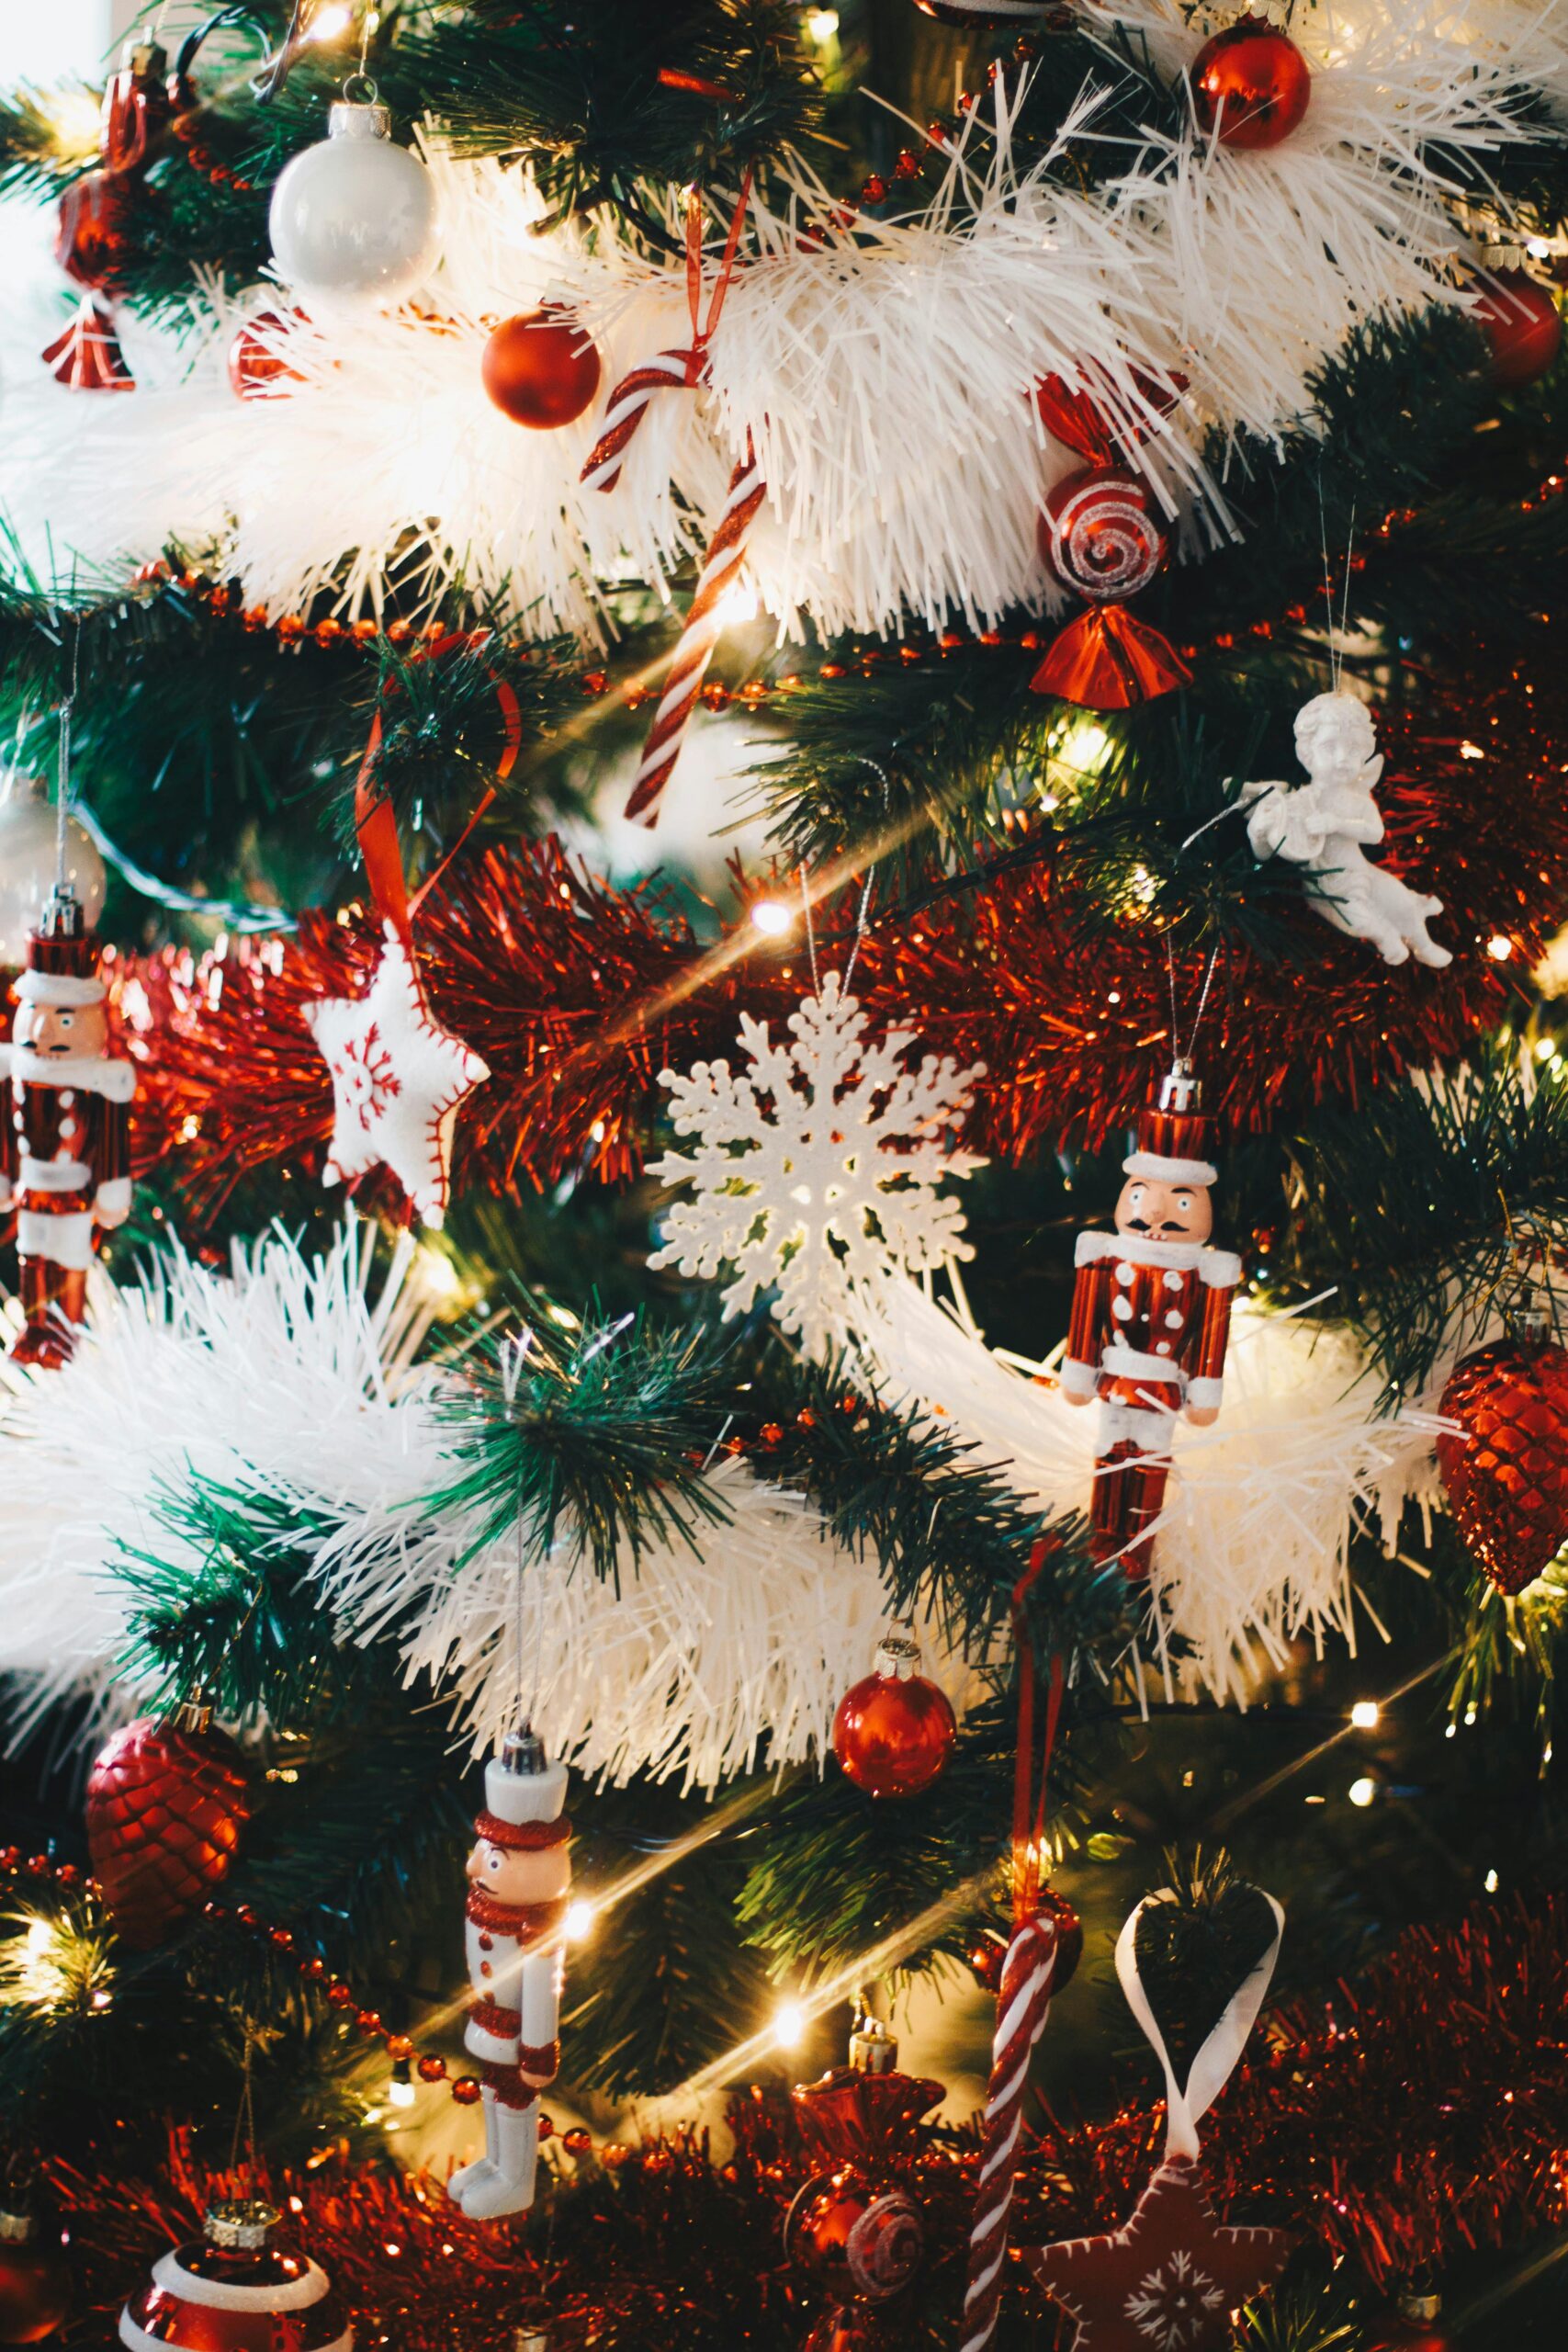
x=1507, y=1473
x=166, y=1803
x=1100, y=536
x=92, y=237
x=232, y=2291
x=871, y=2120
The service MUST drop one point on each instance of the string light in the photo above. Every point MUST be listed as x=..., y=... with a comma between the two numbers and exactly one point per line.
x=580, y=1920
x=769, y=917
x=789, y=2025
x=1364, y=1714
x=400, y=2091
x=1363, y=1791
x=1499, y=947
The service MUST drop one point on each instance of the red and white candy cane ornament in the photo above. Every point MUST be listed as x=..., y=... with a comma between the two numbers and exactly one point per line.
x=694, y=647
x=627, y=404
x=1038, y=1953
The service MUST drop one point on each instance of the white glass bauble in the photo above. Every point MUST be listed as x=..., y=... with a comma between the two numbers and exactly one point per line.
x=353, y=219
x=27, y=863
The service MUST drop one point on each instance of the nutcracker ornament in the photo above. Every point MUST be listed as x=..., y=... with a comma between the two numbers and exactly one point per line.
x=64, y=1147
x=518, y=1876
x=1151, y=1317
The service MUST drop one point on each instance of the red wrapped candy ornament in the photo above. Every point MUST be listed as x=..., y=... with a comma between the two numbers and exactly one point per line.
x=855, y=2230
x=94, y=234
x=893, y=1731
x=1100, y=536
x=166, y=1803
x=233, y=2291
x=1505, y=1467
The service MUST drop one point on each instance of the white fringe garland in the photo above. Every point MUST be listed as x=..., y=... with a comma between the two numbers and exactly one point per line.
x=1252, y=1548
x=885, y=376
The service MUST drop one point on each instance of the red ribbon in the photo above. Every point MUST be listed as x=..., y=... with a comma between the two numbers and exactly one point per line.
x=375, y=820
x=1029, y=1803
x=697, y=357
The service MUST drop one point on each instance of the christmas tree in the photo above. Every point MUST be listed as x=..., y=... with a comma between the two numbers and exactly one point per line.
x=783, y=884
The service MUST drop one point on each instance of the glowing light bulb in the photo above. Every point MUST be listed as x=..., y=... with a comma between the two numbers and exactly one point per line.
x=1499, y=947
x=1490, y=1881
x=821, y=24
x=1364, y=1791
x=41, y=1936
x=400, y=2091
x=579, y=1921
x=1364, y=1714
x=1084, y=746
x=768, y=916
x=737, y=605
x=330, y=23
x=1546, y=1049
x=789, y=2025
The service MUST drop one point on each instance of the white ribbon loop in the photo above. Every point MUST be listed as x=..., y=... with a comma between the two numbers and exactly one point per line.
x=1215, y=2061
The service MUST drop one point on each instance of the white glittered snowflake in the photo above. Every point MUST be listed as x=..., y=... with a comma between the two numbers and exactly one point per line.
x=1175, y=2305
x=816, y=1172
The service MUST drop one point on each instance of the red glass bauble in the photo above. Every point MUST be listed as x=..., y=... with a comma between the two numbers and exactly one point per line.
x=93, y=230
x=861, y=2241
x=1505, y=1469
x=1100, y=535
x=1523, y=326
x=233, y=2291
x=166, y=1803
x=893, y=1731
x=35, y=2285
x=137, y=107
x=541, y=369
x=1416, y=2326
x=1251, y=85
x=256, y=367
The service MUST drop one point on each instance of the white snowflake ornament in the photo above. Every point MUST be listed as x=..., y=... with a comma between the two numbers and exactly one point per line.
x=816, y=1171
x=398, y=1081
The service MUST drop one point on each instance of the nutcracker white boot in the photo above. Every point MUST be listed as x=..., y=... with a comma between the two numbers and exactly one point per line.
x=483, y=2167
x=510, y=2188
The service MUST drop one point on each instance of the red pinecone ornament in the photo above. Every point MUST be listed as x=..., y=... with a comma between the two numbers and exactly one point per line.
x=166, y=1803
x=1505, y=1471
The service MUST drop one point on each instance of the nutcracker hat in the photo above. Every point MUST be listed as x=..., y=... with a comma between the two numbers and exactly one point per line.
x=1173, y=1134
x=62, y=959
x=524, y=1796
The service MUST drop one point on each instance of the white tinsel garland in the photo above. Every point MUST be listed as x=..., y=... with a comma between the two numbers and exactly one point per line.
x=883, y=374
x=1252, y=1548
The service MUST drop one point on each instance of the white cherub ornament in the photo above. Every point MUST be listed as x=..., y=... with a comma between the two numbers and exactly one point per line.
x=1322, y=825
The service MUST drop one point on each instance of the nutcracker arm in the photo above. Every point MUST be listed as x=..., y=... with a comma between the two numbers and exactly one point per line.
x=1220, y=1273
x=111, y=1201
x=539, y=2043
x=1081, y=1372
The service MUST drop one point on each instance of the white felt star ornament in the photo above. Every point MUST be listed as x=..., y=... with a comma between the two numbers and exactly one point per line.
x=398, y=1081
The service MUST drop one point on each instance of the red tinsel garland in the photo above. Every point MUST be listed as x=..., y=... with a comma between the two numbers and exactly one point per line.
x=578, y=994
x=1420, y=2118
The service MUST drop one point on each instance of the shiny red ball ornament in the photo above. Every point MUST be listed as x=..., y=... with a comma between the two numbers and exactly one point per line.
x=35, y=2285
x=541, y=369
x=863, y=2243
x=258, y=370
x=1100, y=535
x=1251, y=85
x=894, y=1731
x=232, y=2290
x=166, y=1803
x=1505, y=1469
x=1523, y=327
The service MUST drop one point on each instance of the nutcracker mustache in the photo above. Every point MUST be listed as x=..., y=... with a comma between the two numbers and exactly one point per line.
x=1167, y=1230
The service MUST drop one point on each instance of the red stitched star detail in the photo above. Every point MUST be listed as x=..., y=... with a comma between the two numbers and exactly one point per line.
x=1169, y=2279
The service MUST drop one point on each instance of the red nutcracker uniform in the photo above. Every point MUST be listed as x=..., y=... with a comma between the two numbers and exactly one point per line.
x=65, y=1132
x=1151, y=1315
x=518, y=1875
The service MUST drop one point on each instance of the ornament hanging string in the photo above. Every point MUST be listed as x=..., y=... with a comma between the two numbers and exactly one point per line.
x=627, y=404
x=1178, y=1053
x=1023, y=1996
x=375, y=818
x=63, y=781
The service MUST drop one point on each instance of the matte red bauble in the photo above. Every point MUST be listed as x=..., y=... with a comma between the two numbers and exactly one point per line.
x=233, y=2291
x=166, y=1803
x=1523, y=326
x=255, y=365
x=35, y=2285
x=1251, y=85
x=541, y=369
x=1505, y=1469
x=895, y=1731
x=92, y=236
